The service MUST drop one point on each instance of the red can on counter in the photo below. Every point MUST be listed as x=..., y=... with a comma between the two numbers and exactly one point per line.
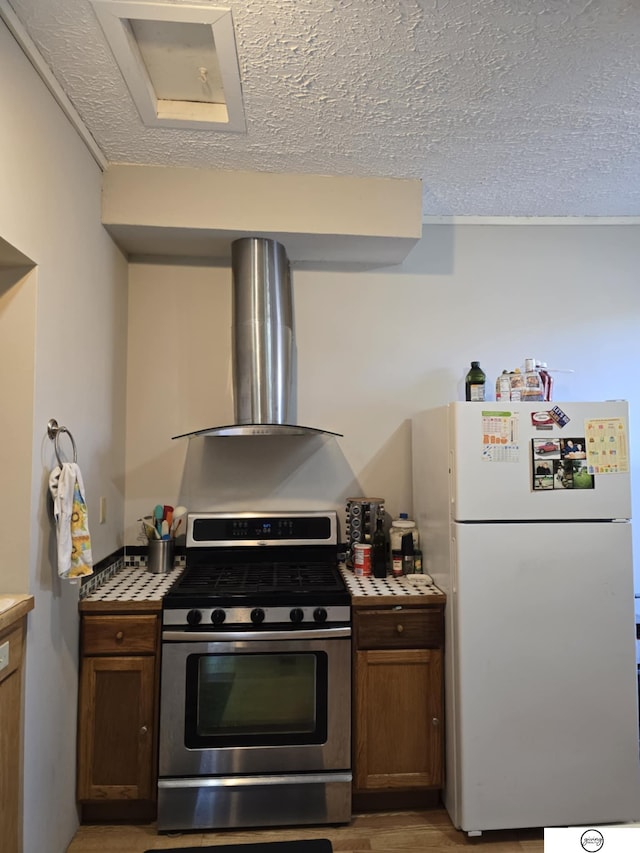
x=362, y=560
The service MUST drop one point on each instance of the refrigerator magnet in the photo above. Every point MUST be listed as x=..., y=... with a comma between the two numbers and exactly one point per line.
x=559, y=416
x=559, y=464
x=542, y=420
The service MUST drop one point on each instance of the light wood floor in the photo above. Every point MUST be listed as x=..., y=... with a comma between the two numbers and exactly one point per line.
x=405, y=832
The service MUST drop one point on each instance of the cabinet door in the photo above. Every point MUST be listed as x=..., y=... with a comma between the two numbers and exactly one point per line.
x=116, y=732
x=11, y=744
x=398, y=709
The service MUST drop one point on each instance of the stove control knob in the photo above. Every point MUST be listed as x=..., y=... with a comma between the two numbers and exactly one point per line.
x=194, y=617
x=296, y=615
x=218, y=616
x=257, y=615
x=320, y=614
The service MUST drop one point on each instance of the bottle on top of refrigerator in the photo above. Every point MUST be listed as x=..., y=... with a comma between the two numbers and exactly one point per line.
x=503, y=386
x=547, y=380
x=399, y=527
x=516, y=381
x=474, y=382
x=532, y=389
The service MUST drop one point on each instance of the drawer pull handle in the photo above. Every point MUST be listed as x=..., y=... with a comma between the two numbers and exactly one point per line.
x=435, y=722
x=120, y=636
x=399, y=628
x=144, y=730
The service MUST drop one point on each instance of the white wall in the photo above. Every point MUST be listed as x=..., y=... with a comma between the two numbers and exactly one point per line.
x=374, y=347
x=18, y=295
x=50, y=211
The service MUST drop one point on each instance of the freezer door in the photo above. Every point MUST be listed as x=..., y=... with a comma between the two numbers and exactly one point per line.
x=543, y=720
x=498, y=481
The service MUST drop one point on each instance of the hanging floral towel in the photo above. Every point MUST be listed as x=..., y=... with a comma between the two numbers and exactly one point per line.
x=72, y=525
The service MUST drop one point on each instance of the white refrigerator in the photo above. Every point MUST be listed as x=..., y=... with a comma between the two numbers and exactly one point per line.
x=524, y=512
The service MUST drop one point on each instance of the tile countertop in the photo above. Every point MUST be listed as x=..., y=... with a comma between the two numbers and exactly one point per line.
x=411, y=589
x=137, y=589
x=131, y=589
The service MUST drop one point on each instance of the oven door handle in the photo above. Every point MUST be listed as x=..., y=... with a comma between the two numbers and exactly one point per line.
x=255, y=636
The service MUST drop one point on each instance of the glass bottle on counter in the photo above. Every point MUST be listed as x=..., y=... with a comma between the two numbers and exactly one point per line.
x=400, y=526
x=379, y=551
x=408, y=566
x=417, y=561
x=474, y=383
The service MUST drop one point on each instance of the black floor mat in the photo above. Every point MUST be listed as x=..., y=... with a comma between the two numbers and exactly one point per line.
x=311, y=845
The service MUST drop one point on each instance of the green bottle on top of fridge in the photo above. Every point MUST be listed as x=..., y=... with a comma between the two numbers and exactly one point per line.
x=474, y=383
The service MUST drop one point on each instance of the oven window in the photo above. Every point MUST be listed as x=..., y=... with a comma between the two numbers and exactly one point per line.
x=256, y=699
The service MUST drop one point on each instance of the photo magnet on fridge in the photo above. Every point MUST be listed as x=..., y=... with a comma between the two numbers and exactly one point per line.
x=560, y=464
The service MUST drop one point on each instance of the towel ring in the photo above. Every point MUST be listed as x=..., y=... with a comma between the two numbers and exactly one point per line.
x=53, y=430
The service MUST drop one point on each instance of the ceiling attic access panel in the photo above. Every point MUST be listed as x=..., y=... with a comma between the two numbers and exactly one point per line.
x=179, y=62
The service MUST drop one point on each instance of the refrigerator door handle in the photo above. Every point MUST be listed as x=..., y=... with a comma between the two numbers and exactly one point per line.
x=453, y=556
x=452, y=481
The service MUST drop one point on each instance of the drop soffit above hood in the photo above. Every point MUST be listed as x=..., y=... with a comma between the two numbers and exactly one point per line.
x=324, y=221
x=263, y=344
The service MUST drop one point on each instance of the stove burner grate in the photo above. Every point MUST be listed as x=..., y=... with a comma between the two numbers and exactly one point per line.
x=260, y=578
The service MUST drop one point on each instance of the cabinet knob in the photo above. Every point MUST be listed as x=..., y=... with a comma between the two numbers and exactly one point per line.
x=435, y=721
x=120, y=636
x=399, y=628
x=144, y=730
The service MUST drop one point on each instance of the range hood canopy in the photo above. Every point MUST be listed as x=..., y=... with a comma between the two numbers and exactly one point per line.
x=263, y=344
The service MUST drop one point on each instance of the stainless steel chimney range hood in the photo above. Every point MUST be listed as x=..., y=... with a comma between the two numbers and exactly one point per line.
x=263, y=344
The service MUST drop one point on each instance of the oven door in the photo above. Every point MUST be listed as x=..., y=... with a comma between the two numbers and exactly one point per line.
x=255, y=702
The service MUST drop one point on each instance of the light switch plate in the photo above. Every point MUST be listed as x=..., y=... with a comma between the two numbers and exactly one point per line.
x=4, y=655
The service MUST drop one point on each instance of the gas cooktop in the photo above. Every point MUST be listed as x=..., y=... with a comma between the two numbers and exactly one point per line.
x=259, y=578
x=259, y=568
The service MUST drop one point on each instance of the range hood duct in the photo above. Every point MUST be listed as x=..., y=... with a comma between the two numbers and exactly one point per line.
x=263, y=343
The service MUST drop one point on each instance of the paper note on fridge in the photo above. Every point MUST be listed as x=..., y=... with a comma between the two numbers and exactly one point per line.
x=607, y=446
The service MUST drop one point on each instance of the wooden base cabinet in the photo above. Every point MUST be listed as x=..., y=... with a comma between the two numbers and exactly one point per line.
x=13, y=626
x=398, y=701
x=117, y=728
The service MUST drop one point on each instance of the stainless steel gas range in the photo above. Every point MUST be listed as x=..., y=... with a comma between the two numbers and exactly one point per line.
x=255, y=696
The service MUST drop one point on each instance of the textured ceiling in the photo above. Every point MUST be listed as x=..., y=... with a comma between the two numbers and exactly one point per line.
x=501, y=107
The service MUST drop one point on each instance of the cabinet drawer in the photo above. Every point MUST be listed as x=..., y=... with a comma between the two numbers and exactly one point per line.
x=400, y=629
x=11, y=641
x=125, y=635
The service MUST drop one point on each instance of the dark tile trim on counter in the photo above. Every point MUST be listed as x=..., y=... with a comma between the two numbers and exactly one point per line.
x=133, y=556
